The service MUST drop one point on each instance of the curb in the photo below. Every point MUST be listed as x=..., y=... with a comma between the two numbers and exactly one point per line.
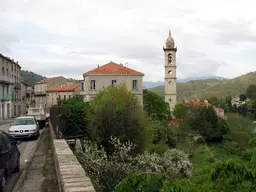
x=19, y=184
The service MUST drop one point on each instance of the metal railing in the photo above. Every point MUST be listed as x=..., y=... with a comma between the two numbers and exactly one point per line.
x=6, y=79
x=63, y=127
x=38, y=93
x=6, y=98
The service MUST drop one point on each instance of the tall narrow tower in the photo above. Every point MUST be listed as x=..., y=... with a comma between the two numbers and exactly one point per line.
x=170, y=72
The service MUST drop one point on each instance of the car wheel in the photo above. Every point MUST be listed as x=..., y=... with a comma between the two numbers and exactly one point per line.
x=3, y=184
x=17, y=168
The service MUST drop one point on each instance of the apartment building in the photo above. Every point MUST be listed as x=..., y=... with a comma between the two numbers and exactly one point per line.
x=112, y=74
x=42, y=86
x=10, y=87
x=24, y=95
x=62, y=92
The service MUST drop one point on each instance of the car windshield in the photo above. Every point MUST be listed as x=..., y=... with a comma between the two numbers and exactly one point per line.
x=24, y=121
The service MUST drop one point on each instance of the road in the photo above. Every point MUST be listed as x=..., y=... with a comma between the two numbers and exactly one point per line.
x=26, y=148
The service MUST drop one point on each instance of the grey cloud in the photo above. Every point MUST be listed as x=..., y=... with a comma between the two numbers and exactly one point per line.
x=6, y=38
x=226, y=32
x=200, y=67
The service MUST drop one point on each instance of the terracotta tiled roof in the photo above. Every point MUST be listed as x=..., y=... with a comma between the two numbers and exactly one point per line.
x=64, y=87
x=47, y=80
x=113, y=68
x=175, y=122
x=219, y=109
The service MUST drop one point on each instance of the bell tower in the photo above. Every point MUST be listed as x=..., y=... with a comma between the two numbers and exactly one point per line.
x=170, y=72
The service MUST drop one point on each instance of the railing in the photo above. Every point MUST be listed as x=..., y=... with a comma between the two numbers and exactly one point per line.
x=6, y=79
x=40, y=93
x=6, y=98
x=63, y=127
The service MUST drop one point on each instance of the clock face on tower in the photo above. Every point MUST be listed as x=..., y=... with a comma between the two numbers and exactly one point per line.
x=170, y=58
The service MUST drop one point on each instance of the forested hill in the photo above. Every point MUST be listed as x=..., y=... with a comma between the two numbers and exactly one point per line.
x=30, y=77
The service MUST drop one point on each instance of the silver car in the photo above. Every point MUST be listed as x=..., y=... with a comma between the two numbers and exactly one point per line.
x=24, y=127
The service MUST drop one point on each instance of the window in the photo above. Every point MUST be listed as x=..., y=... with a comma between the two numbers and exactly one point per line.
x=64, y=97
x=7, y=90
x=69, y=96
x=93, y=84
x=3, y=147
x=8, y=140
x=24, y=121
x=59, y=97
x=2, y=70
x=2, y=90
x=113, y=83
x=82, y=86
x=134, y=84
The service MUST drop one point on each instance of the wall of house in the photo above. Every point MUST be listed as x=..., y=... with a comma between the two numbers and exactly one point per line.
x=11, y=71
x=43, y=87
x=52, y=97
x=104, y=81
x=23, y=98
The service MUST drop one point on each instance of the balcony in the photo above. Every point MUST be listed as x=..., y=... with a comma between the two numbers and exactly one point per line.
x=17, y=86
x=6, y=79
x=40, y=93
x=6, y=98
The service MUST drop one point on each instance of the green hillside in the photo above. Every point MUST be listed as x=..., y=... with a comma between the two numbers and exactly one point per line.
x=211, y=87
x=30, y=78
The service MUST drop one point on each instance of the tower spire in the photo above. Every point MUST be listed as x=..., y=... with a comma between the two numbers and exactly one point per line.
x=170, y=33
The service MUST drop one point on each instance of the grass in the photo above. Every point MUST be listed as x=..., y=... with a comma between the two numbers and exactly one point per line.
x=211, y=87
x=237, y=148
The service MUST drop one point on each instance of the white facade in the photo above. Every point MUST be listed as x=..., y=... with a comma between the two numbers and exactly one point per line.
x=170, y=72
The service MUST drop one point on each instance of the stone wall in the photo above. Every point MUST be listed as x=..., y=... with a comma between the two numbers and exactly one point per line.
x=71, y=175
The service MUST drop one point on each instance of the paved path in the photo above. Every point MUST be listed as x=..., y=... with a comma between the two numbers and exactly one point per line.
x=26, y=150
x=41, y=175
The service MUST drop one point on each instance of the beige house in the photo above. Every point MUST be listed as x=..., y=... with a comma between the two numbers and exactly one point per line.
x=112, y=74
x=10, y=85
x=62, y=92
x=42, y=86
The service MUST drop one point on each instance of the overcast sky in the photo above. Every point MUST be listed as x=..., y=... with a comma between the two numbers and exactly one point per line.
x=69, y=37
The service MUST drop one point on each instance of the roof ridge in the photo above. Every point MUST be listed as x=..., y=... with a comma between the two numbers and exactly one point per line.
x=109, y=69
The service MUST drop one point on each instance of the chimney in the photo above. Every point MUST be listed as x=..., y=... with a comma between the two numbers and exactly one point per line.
x=98, y=66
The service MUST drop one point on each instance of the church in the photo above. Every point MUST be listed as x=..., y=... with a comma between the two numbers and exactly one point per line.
x=170, y=77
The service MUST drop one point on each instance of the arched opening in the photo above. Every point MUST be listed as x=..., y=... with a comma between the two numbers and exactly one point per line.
x=169, y=57
x=170, y=72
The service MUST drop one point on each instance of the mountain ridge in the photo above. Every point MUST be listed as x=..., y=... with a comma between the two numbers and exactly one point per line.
x=211, y=87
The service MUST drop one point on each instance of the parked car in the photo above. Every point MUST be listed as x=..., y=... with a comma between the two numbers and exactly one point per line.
x=9, y=158
x=24, y=127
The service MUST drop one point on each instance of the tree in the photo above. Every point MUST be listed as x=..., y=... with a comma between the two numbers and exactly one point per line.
x=250, y=90
x=208, y=124
x=115, y=111
x=155, y=106
x=253, y=101
x=73, y=110
x=179, y=110
x=242, y=97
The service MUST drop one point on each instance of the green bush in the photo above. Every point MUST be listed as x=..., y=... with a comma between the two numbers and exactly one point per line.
x=115, y=111
x=140, y=183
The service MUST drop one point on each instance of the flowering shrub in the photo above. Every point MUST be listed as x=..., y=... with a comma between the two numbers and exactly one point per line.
x=173, y=163
x=106, y=171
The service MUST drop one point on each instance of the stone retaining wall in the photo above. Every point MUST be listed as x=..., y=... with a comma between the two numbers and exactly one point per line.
x=71, y=175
